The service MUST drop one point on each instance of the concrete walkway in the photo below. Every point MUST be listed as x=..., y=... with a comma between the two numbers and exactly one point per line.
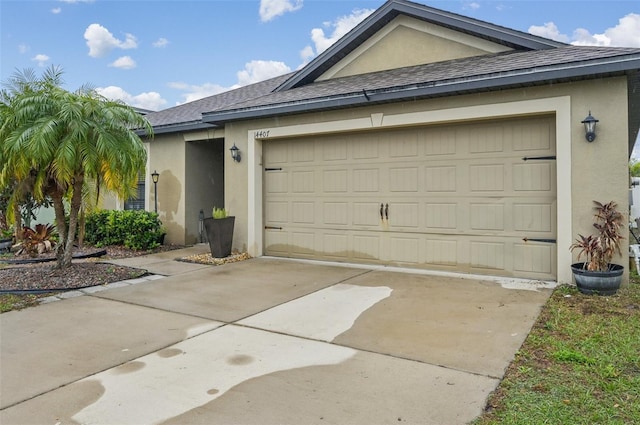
x=263, y=341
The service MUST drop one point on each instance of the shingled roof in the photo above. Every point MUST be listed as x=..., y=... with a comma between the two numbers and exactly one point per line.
x=479, y=73
x=189, y=115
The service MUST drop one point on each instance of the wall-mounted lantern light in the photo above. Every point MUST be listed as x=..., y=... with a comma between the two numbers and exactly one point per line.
x=590, y=127
x=155, y=176
x=235, y=153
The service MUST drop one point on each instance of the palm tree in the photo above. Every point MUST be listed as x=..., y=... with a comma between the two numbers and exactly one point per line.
x=59, y=141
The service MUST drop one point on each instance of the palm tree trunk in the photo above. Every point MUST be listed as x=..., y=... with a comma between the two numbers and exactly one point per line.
x=76, y=203
x=61, y=226
x=17, y=218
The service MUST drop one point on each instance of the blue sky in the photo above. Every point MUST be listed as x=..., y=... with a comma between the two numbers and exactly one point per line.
x=157, y=54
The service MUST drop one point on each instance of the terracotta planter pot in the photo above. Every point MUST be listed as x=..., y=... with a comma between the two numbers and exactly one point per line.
x=601, y=283
x=220, y=235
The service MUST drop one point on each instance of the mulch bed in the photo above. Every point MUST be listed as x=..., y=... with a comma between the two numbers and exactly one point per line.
x=45, y=277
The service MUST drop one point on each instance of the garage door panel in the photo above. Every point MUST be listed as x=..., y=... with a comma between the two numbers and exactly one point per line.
x=486, y=139
x=459, y=197
x=438, y=141
x=335, y=181
x=441, y=216
x=366, y=247
x=335, y=245
x=487, y=216
x=365, y=147
x=303, y=212
x=335, y=213
x=533, y=258
x=303, y=152
x=533, y=177
x=487, y=178
x=276, y=182
x=303, y=182
x=303, y=243
x=366, y=180
x=404, y=249
x=366, y=214
x=531, y=217
x=334, y=150
x=403, y=215
x=277, y=211
x=277, y=242
x=533, y=135
x=403, y=144
x=443, y=252
x=440, y=179
x=487, y=255
x=403, y=179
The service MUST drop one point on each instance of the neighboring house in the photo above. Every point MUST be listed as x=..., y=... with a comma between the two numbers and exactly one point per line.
x=422, y=138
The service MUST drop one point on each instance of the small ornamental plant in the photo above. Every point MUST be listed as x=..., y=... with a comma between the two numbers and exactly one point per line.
x=599, y=249
x=219, y=213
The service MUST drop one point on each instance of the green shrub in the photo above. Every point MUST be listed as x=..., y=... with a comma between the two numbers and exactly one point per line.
x=135, y=229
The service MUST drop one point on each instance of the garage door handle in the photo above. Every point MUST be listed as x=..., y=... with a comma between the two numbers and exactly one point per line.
x=381, y=211
x=386, y=211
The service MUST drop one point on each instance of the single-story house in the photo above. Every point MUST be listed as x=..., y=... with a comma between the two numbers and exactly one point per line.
x=422, y=138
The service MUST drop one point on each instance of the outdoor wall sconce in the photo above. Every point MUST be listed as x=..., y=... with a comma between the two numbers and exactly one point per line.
x=155, y=176
x=235, y=153
x=590, y=127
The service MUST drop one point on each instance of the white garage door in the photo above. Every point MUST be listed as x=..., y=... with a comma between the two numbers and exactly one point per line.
x=477, y=198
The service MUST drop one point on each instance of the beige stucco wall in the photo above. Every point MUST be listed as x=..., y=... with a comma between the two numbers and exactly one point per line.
x=600, y=169
x=597, y=170
x=406, y=42
x=167, y=157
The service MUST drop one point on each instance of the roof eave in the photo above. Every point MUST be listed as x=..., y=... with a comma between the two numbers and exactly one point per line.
x=179, y=127
x=426, y=90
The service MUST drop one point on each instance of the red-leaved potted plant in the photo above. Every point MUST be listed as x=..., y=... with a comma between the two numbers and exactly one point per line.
x=597, y=275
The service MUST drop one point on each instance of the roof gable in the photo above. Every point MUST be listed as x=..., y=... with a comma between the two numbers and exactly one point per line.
x=375, y=22
x=407, y=41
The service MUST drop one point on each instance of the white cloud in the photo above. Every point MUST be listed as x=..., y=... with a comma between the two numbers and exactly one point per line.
x=195, y=92
x=56, y=10
x=270, y=9
x=161, y=42
x=149, y=100
x=471, y=6
x=253, y=72
x=77, y=1
x=23, y=48
x=625, y=34
x=549, y=30
x=339, y=28
x=258, y=70
x=41, y=59
x=101, y=41
x=306, y=55
x=124, y=62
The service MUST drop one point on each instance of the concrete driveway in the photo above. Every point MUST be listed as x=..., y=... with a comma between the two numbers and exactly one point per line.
x=264, y=341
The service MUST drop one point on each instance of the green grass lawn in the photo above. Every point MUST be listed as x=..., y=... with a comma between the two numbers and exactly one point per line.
x=579, y=365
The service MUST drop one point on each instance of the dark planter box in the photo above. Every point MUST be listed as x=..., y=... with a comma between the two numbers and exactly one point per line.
x=220, y=235
x=5, y=244
x=601, y=283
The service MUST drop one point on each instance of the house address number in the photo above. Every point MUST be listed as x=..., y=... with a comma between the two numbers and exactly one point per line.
x=260, y=134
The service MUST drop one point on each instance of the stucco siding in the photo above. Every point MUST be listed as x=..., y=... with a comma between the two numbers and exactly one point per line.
x=600, y=169
x=407, y=42
x=167, y=154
